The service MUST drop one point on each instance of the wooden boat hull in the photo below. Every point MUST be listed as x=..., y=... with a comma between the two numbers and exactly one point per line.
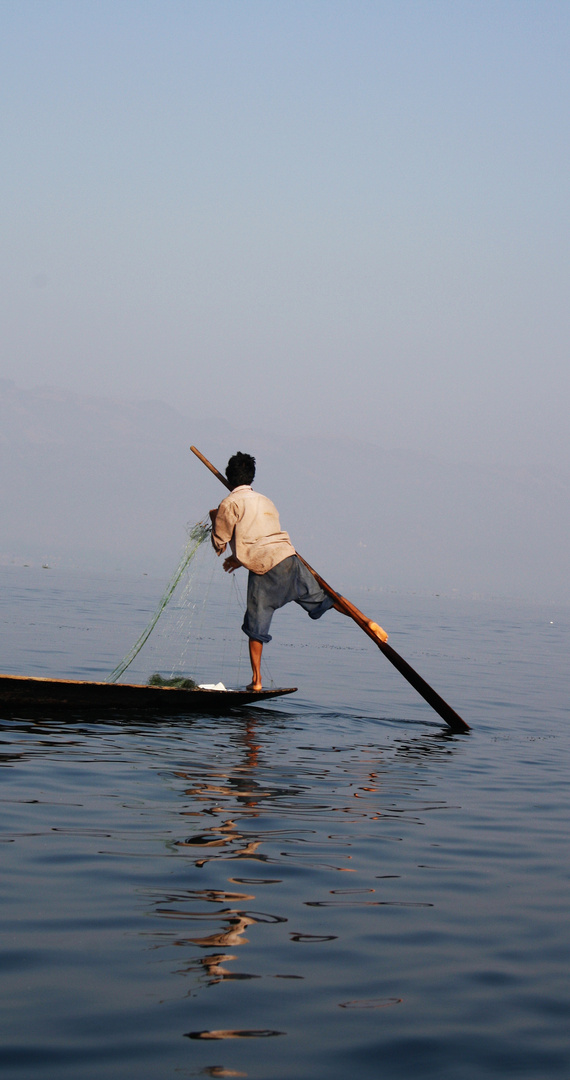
x=17, y=691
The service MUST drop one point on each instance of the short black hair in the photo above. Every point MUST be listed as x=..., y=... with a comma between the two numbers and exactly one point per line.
x=240, y=469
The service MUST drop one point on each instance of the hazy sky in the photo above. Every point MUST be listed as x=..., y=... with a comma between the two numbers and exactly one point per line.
x=314, y=215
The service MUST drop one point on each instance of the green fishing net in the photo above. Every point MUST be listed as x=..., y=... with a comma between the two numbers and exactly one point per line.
x=178, y=681
x=196, y=537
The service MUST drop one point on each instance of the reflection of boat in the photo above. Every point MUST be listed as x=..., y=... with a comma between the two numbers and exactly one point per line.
x=18, y=690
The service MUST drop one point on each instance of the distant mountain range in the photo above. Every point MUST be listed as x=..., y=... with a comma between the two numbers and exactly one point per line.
x=110, y=484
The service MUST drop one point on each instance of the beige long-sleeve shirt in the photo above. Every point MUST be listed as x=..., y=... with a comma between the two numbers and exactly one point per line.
x=249, y=523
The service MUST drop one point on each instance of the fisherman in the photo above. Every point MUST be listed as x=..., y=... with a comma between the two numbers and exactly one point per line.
x=249, y=523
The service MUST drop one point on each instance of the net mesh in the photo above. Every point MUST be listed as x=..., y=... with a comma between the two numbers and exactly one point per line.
x=198, y=534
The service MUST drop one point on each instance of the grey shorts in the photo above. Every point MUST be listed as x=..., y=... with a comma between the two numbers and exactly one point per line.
x=289, y=580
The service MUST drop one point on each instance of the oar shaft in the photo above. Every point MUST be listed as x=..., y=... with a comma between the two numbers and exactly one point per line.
x=452, y=719
x=371, y=628
x=211, y=467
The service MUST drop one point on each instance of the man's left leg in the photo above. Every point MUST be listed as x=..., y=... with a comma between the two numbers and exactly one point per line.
x=265, y=594
x=255, y=651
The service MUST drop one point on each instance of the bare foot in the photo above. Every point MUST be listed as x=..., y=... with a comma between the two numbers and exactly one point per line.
x=254, y=686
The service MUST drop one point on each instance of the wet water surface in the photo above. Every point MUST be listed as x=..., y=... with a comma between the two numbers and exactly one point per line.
x=332, y=885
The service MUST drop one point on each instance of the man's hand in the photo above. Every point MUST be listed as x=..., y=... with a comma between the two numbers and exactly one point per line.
x=213, y=515
x=231, y=564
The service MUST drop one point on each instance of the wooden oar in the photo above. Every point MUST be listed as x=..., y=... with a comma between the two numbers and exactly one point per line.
x=375, y=632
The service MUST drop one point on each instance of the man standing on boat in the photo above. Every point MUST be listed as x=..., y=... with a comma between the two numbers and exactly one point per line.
x=249, y=523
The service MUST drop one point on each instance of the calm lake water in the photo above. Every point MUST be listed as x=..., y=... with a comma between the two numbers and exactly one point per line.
x=329, y=886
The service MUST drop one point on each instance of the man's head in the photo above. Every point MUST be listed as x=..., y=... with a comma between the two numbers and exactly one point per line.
x=240, y=469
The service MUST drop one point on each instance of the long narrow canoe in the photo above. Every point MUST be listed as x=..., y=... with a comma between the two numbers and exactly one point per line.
x=18, y=690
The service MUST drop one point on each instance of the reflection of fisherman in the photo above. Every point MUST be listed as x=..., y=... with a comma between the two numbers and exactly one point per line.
x=237, y=923
x=249, y=523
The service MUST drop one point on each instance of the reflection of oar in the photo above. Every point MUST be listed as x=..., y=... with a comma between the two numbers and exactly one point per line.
x=377, y=634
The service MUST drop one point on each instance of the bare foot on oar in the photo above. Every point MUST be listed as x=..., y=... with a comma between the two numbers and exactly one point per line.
x=254, y=686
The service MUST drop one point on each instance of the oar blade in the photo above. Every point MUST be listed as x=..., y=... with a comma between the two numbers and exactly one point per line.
x=452, y=719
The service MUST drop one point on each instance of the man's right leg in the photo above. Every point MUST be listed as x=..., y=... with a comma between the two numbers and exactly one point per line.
x=255, y=651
